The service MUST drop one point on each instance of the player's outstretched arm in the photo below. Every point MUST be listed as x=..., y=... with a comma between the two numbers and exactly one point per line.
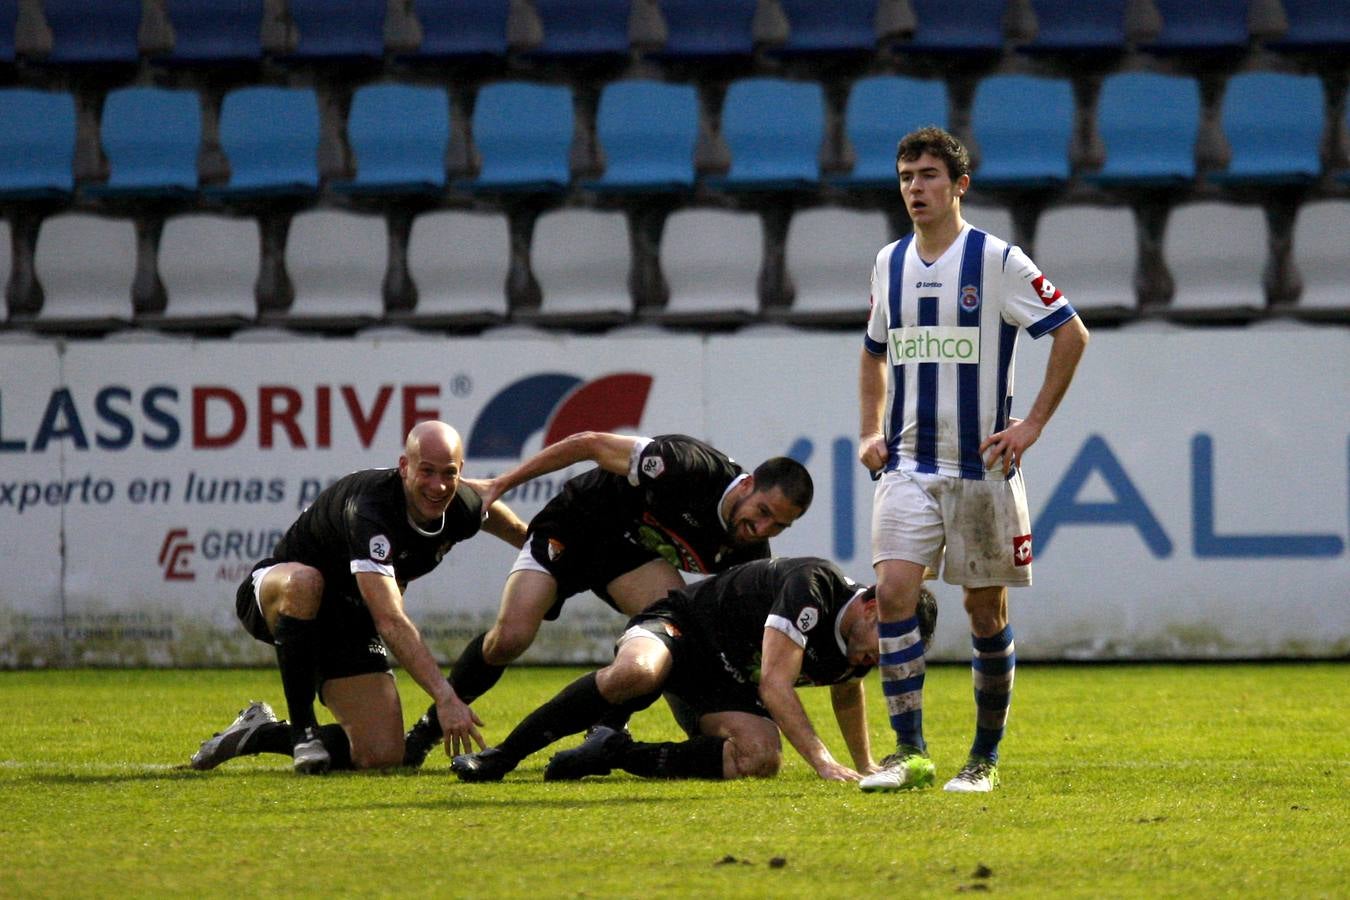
x=850, y=711
x=781, y=664
x=385, y=602
x=610, y=451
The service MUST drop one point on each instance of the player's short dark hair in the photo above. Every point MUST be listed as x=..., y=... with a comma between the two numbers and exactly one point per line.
x=941, y=143
x=789, y=476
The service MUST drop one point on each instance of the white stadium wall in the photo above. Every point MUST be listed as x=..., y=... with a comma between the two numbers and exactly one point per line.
x=1189, y=500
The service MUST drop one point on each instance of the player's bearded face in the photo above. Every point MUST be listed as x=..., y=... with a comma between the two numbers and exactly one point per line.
x=760, y=515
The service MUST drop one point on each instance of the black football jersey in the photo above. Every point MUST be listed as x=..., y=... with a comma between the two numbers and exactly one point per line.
x=360, y=523
x=802, y=597
x=668, y=504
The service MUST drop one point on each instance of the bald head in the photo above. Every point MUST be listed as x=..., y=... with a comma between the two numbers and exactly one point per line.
x=433, y=457
x=433, y=439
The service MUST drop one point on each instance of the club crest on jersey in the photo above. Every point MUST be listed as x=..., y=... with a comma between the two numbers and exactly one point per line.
x=1022, y=550
x=555, y=549
x=807, y=619
x=970, y=297
x=653, y=466
x=379, y=548
x=1045, y=290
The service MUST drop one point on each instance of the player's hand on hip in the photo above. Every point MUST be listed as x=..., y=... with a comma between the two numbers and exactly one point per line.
x=1008, y=445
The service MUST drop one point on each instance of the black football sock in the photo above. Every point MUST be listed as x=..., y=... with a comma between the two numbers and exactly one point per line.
x=274, y=737
x=471, y=676
x=574, y=709
x=698, y=757
x=618, y=719
x=339, y=748
x=298, y=658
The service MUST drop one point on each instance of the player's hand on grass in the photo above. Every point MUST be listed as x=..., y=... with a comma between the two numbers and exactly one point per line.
x=830, y=770
x=460, y=725
x=1008, y=445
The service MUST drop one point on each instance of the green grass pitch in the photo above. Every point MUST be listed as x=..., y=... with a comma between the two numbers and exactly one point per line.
x=1119, y=781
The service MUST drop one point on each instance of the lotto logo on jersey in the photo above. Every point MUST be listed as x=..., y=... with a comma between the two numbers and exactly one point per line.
x=653, y=466
x=1022, y=550
x=934, y=343
x=1045, y=290
x=555, y=549
x=807, y=619
x=379, y=548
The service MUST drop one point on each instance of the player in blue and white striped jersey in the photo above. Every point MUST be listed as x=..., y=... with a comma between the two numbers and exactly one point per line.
x=935, y=389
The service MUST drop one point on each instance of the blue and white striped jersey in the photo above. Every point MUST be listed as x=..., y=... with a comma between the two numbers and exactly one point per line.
x=950, y=330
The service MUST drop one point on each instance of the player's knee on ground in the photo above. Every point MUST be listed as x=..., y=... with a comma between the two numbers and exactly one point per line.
x=751, y=758
x=385, y=753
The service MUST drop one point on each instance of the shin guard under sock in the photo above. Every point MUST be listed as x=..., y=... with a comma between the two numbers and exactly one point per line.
x=298, y=659
x=574, y=709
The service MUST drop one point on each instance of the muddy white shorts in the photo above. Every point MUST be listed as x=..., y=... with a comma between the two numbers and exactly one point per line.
x=983, y=526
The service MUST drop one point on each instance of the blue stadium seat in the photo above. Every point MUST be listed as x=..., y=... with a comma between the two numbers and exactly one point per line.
x=1075, y=26
x=37, y=143
x=1189, y=27
x=699, y=30
x=215, y=31
x=523, y=132
x=596, y=29
x=322, y=33
x=1148, y=123
x=462, y=29
x=957, y=26
x=9, y=17
x=150, y=136
x=1316, y=25
x=1023, y=125
x=647, y=130
x=1274, y=126
x=839, y=27
x=773, y=129
x=881, y=110
x=84, y=32
x=399, y=134
x=271, y=137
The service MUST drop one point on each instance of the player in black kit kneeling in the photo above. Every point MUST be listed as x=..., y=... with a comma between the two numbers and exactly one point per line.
x=728, y=652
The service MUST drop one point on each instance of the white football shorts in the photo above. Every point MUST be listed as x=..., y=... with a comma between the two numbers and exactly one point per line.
x=983, y=526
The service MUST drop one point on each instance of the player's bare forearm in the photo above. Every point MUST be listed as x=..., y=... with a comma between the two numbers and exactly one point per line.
x=781, y=663
x=1008, y=446
x=1070, y=340
x=385, y=602
x=503, y=523
x=850, y=711
x=871, y=410
x=609, y=451
x=790, y=716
